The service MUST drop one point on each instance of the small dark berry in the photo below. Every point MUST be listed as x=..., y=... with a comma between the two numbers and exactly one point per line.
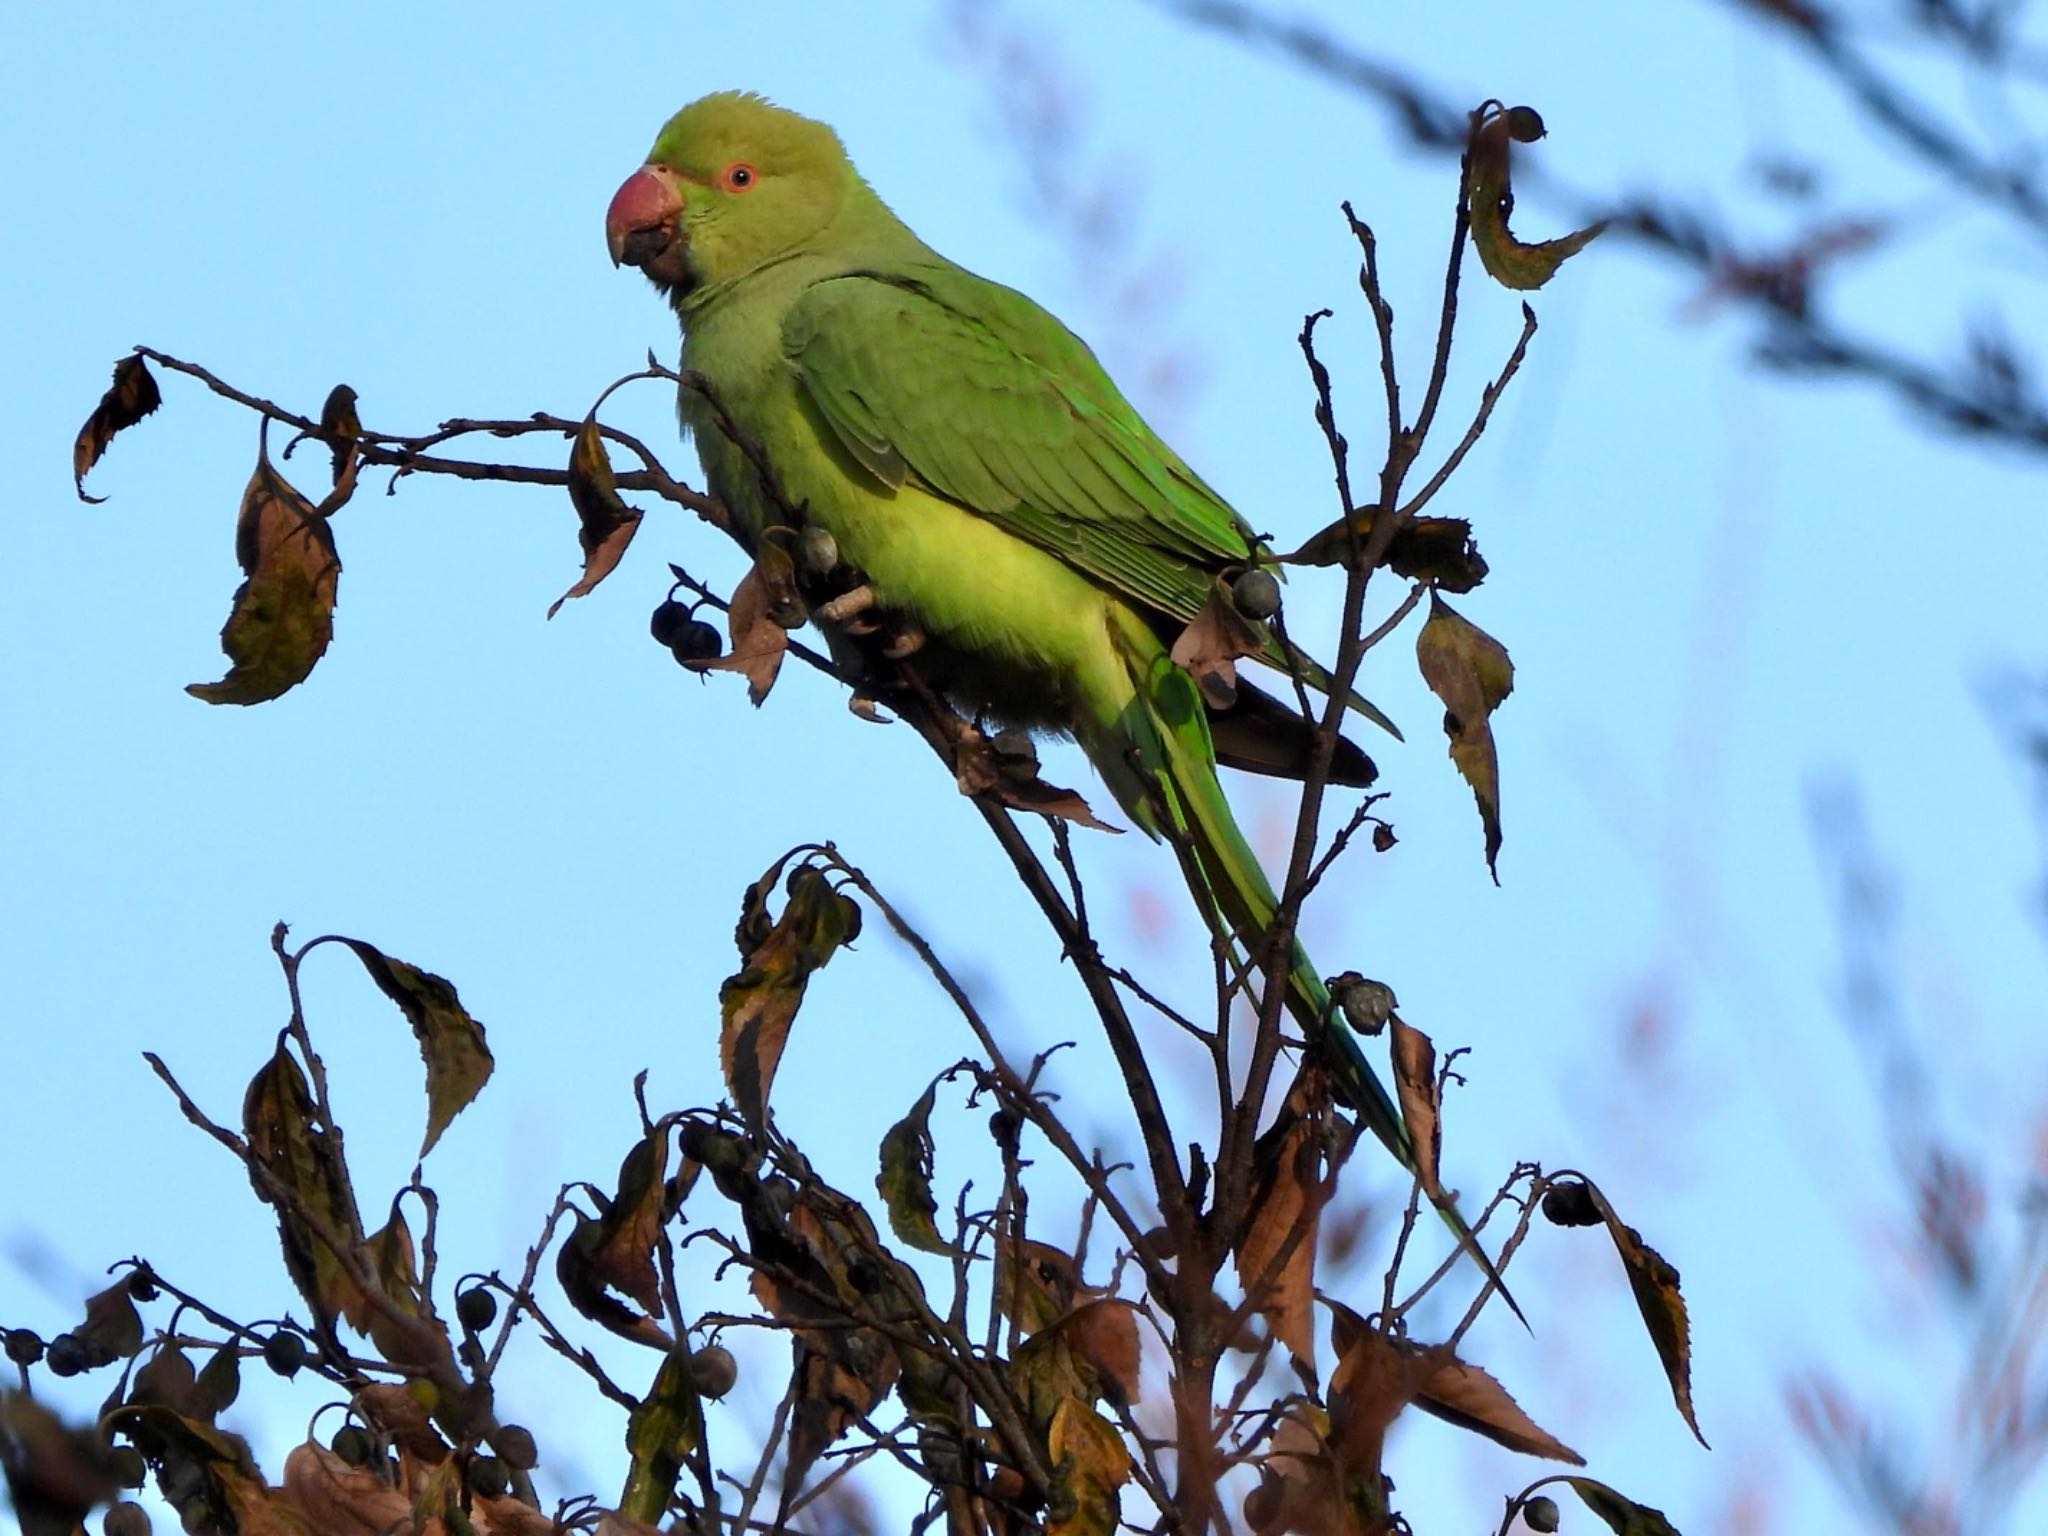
x=355, y=1445
x=849, y=918
x=125, y=1519
x=127, y=1465
x=142, y=1283
x=1262, y=1505
x=817, y=552
x=477, y=1308
x=696, y=641
x=1571, y=1205
x=24, y=1346
x=66, y=1355
x=514, y=1444
x=713, y=1370
x=1525, y=126
x=668, y=618
x=1257, y=594
x=285, y=1353
x=1540, y=1513
x=489, y=1477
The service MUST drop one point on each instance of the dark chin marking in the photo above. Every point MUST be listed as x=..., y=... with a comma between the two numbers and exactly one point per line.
x=675, y=290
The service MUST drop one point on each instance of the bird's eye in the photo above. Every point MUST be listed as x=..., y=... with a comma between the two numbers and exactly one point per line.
x=738, y=177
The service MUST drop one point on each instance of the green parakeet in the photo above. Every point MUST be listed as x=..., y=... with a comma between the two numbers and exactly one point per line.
x=971, y=458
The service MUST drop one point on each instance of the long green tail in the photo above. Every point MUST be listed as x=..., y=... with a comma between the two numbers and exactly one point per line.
x=1160, y=763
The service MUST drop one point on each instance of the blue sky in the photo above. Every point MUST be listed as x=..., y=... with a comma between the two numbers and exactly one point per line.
x=1719, y=590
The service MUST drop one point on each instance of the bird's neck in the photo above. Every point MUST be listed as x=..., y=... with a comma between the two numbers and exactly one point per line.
x=862, y=235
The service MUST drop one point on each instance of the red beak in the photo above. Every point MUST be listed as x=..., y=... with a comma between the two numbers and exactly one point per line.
x=645, y=219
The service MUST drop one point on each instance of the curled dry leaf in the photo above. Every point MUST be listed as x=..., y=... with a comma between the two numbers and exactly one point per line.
x=132, y=396
x=389, y=1251
x=285, y=1137
x=584, y=1284
x=451, y=1042
x=759, y=1003
x=1377, y=1376
x=631, y=1224
x=1373, y=1382
x=1104, y=1333
x=905, y=1179
x=992, y=768
x=217, y=1385
x=1276, y=1257
x=758, y=642
x=606, y=523
x=334, y=1497
x=166, y=1380
x=1439, y=550
x=1512, y=263
x=112, y=1328
x=400, y=1416
x=283, y=614
x=1470, y=671
x=1415, y=1085
x=1210, y=647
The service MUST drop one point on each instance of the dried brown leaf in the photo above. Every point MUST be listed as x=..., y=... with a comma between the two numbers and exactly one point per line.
x=631, y=1225
x=1280, y=1239
x=1438, y=550
x=389, y=1252
x=285, y=1137
x=1470, y=671
x=283, y=614
x=985, y=768
x=1210, y=647
x=606, y=525
x=1461, y=1393
x=1512, y=262
x=166, y=1379
x=132, y=396
x=451, y=1042
x=1373, y=1382
x=1623, y=1515
x=758, y=642
x=334, y=1497
x=1301, y=1488
x=112, y=1328
x=404, y=1420
x=1105, y=1334
x=584, y=1284
x=1654, y=1283
x=760, y=1001
x=1415, y=1085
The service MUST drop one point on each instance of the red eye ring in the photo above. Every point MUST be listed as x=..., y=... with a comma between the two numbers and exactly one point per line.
x=738, y=177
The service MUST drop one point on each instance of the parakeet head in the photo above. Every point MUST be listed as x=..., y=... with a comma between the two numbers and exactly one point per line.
x=731, y=183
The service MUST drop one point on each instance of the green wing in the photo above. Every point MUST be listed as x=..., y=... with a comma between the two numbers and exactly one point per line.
x=974, y=392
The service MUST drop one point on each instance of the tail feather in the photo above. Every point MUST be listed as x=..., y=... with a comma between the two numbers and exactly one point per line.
x=1159, y=760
